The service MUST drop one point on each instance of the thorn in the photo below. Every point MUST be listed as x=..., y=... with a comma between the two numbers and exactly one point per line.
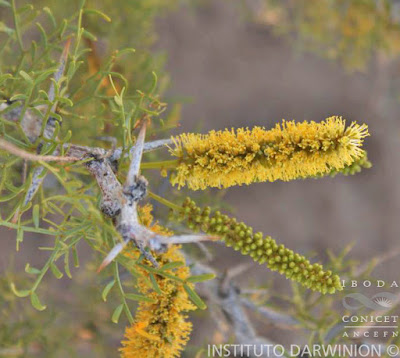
x=137, y=152
x=60, y=70
x=67, y=44
x=66, y=49
x=15, y=217
x=186, y=239
x=137, y=124
x=237, y=270
x=231, y=273
x=112, y=255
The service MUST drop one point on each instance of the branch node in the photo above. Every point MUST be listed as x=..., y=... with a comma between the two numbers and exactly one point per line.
x=138, y=190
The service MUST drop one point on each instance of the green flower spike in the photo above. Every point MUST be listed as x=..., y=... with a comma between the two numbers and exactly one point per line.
x=263, y=249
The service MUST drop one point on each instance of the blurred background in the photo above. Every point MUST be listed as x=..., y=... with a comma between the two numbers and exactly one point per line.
x=239, y=72
x=247, y=63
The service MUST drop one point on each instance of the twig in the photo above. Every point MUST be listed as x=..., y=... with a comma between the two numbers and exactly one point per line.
x=16, y=25
x=276, y=318
x=227, y=278
x=60, y=72
x=156, y=144
x=13, y=149
x=120, y=202
x=136, y=152
x=231, y=304
x=378, y=260
x=125, y=199
x=116, y=153
x=186, y=239
x=147, y=147
x=37, y=177
x=203, y=248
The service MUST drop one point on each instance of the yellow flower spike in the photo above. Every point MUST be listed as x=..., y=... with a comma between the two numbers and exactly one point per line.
x=161, y=328
x=138, y=328
x=286, y=152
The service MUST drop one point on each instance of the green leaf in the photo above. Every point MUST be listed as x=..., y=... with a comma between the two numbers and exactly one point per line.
x=117, y=313
x=161, y=273
x=155, y=284
x=124, y=51
x=81, y=4
x=4, y=3
x=26, y=77
x=31, y=270
x=22, y=293
x=66, y=265
x=20, y=236
x=201, y=278
x=36, y=302
x=118, y=100
x=24, y=8
x=65, y=100
x=135, y=297
x=107, y=289
x=33, y=50
x=155, y=82
x=5, y=77
x=89, y=35
x=172, y=265
x=8, y=197
x=43, y=33
x=27, y=228
x=63, y=27
x=56, y=272
x=43, y=76
x=16, y=189
x=171, y=277
x=51, y=16
x=4, y=28
x=18, y=96
x=97, y=12
x=75, y=256
x=195, y=297
x=25, y=209
x=35, y=215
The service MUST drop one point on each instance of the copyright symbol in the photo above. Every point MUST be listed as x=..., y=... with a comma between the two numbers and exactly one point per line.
x=392, y=350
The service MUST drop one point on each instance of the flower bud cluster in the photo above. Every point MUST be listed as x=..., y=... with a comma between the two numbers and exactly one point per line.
x=263, y=249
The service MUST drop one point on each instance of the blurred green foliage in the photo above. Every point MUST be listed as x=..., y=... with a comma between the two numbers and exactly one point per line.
x=349, y=31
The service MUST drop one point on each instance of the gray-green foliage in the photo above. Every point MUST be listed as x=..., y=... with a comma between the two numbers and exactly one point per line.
x=349, y=31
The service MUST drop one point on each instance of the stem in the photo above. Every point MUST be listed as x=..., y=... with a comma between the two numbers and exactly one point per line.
x=13, y=149
x=121, y=290
x=45, y=268
x=79, y=32
x=17, y=31
x=164, y=201
x=27, y=228
x=160, y=165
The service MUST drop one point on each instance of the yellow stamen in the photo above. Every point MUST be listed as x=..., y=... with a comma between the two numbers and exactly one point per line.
x=286, y=152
